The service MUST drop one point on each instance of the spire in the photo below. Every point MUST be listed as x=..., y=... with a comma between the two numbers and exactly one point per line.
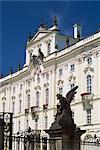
x=29, y=37
x=19, y=67
x=11, y=70
x=55, y=21
x=67, y=42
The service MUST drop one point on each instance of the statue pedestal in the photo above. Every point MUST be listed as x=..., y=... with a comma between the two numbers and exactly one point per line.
x=64, y=139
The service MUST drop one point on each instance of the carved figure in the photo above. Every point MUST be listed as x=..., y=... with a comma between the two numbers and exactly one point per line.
x=65, y=101
x=64, y=113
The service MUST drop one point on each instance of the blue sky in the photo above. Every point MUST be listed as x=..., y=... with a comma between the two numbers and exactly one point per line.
x=18, y=18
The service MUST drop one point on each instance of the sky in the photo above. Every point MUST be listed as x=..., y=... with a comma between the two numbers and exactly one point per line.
x=19, y=18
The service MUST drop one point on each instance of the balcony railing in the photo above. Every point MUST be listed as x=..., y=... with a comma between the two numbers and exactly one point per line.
x=45, y=106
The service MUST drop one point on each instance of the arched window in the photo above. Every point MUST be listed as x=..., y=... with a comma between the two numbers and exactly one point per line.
x=37, y=99
x=89, y=84
x=28, y=101
x=48, y=48
x=47, y=96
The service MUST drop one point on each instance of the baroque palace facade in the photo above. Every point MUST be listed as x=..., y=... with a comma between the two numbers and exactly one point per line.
x=55, y=63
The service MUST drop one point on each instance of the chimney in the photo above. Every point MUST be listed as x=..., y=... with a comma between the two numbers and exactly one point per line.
x=77, y=30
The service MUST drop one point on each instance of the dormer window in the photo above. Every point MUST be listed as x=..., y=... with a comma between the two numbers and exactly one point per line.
x=48, y=49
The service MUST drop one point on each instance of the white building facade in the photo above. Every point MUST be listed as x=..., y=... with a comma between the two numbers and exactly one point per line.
x=55, y=63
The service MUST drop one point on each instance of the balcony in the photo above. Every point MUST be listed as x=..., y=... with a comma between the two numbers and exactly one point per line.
x=87, y=101
x=45, y=106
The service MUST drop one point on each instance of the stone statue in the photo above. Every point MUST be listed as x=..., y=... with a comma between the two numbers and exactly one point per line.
x=65, y=101
x=64, y=113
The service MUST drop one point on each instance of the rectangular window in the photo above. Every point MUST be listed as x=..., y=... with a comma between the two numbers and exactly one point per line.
x=47, y=96
x=72, y=67
x=13, y=107
x=72, y=86
x=27, y=124
x=89, y=116
x=61, y=90
x=4, y=105
x=13, y=89
x=60, y=72
x=20, y=106
x=19, y=126
x=46, y=122
x=28, y=100
x=21, y=87
x=36, y=124
x=37, y=99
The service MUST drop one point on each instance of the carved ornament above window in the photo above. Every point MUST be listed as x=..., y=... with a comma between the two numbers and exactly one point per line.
x=28, y=90
x=46, y=84
x=4, y=98
x=72, y=78
x=13, y=97
x=89, y=69
x=60, y=82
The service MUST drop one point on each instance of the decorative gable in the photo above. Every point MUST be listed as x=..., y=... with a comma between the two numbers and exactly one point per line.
x=39, y=35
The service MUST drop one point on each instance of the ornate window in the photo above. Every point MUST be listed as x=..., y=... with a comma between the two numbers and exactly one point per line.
x=46, y=122
x=89, y=84
x=72, y=67
x=21, y=87
x=89, y=60
x=61, y=90
x=13, y=89
x=60, y=72
x=47, y=96
x=72, y=86
x=29, y=83
x=28, y=100
x=88, y=116
x=48, y=49
x=20, y=106
x=37, y=98
x=38, y=79
x=47, y=76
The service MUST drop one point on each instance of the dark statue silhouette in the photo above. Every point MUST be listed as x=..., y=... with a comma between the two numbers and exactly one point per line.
x=64, y=114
